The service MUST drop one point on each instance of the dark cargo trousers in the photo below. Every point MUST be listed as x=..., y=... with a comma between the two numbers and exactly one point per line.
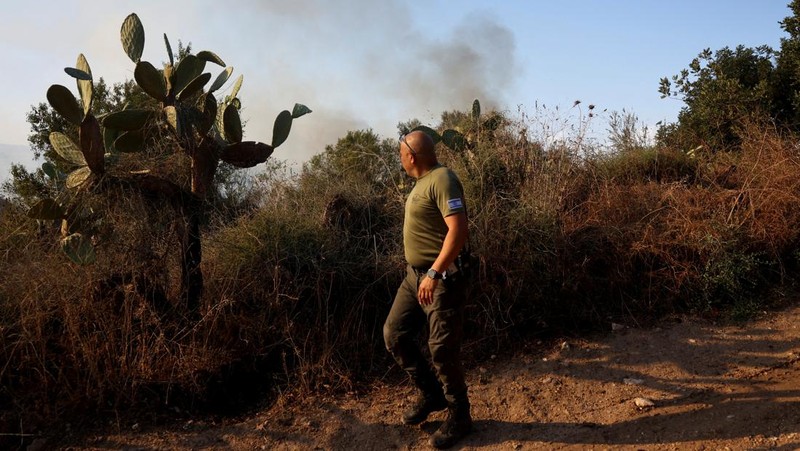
x=445, y=320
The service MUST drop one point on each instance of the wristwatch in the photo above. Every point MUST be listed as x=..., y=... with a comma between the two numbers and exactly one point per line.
x=434, y=274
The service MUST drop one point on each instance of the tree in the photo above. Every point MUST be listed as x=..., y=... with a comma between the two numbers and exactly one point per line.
x=719, y=89
x=360, y=157
x=786, y=86
x=722, y=88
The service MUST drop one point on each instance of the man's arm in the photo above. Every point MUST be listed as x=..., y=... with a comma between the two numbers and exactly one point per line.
x=457, y=233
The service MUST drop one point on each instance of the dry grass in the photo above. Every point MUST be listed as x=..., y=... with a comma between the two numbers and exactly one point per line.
x=297, y=289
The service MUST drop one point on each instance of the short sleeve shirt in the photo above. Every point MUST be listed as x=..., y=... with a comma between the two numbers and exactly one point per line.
x=436, y=195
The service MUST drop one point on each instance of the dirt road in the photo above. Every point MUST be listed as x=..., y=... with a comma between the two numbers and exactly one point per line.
x=712, y=387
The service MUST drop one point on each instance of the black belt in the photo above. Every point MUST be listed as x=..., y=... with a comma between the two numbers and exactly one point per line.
x=419, y=271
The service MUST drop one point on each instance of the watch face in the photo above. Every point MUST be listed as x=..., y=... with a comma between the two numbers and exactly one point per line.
x=433, y=274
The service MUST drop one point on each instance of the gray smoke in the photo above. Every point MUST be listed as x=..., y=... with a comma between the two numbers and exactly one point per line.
x=366, y=64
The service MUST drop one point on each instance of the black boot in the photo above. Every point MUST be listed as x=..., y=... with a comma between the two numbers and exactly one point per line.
x=457, y=425
x=424, y=405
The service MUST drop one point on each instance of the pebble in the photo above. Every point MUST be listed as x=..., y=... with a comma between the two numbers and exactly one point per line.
x=632, y=381
x=643, y=403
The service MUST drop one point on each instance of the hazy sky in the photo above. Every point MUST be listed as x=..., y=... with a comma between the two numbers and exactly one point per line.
x=374, y=63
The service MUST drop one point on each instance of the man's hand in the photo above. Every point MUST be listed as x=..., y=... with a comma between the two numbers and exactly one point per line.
x=426, y=289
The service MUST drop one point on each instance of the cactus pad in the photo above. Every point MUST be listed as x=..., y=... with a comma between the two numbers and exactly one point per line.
x=430, y=132
x=65, y=104
x=46, y=209
x=189, y=68
x=50, y=170
x=77, y=73
x=92, y=144
x=221, y=79
x=127, y=119
x=79, y=249
x=454, y=140
x=85, y=87
x=67, y=149
x=78, y=177
x=208, y=113
x=246, y=154
x=194, y=86
x=281, y=128
x=236, y=86
x=150, y=80
x=169, y=50
x=132, y=35
x=132, y=141
x=232, y=124
x=299, y=110
x=211, y=57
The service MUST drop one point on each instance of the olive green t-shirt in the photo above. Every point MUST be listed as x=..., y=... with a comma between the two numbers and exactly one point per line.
x=436, y=195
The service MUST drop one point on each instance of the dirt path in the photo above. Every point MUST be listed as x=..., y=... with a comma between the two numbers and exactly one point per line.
x=712, y=388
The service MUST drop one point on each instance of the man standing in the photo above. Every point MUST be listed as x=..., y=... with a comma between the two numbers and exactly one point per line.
x=433, y=292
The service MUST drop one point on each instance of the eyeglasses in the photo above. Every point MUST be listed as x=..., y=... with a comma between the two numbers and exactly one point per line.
x=403, y=140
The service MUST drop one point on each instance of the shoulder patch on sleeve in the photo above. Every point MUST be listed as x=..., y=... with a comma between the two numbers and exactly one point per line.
x=455, y=203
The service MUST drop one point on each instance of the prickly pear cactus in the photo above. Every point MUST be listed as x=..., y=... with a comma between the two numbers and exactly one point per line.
x=198, y=126
x=454, y=139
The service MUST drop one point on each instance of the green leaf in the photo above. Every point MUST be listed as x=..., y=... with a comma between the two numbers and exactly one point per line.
x=85, y=87
x=67, y=149
x=281, y=129
x=77, y=73
x=232, y=124
x=194, y=86
x=79, y=249
x=211, y=57
x=78, y=177
x=430, y=132
x=127, y=119
x=169, y=50
x=246, y=154
x=221, y=79
x=129, y=142
x=46, y=209
x=65, y=104
x=299, y=110
x=150, y=80
x=132, y=35
x=189, y=68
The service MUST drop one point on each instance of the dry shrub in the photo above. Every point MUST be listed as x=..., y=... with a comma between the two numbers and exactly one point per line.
x=317, y=266
x=297, y=289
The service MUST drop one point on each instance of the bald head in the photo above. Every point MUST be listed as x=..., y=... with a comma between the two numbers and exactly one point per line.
x=417, y=153
x=421, y=144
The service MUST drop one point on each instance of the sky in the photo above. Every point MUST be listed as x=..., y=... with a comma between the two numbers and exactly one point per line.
x=371, y=64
